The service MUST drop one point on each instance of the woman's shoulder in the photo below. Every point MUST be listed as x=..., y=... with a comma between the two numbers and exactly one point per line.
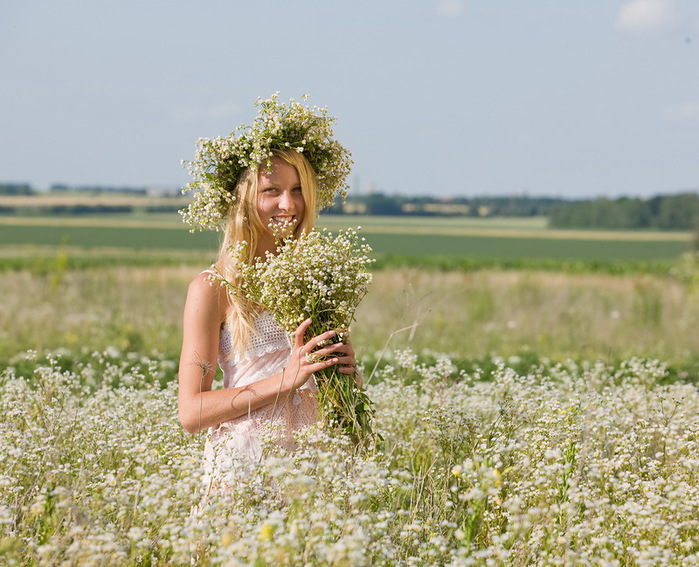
x=205, y=287
x=205, y=281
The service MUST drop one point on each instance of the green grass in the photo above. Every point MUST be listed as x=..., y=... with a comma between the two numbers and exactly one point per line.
x=501, y=239
x=108, y=236
x=511, y=248
x=659, y=267
x=469, y=314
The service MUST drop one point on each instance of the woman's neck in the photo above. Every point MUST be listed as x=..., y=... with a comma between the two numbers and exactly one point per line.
x=265, y=244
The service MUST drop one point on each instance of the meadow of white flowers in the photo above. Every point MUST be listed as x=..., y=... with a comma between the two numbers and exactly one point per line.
x=566, y=465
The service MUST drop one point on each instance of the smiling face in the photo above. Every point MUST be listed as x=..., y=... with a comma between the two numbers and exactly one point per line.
x=280, y=201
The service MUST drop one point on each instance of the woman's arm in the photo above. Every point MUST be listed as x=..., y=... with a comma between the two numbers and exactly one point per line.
x=199, y=406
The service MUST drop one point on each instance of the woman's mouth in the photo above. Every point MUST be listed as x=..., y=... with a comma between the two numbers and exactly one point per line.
x=284, y=220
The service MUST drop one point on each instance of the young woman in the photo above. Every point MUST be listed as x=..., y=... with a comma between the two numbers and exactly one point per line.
x=267, y=375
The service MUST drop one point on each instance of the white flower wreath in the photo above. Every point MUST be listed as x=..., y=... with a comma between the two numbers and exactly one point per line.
x=219, y=162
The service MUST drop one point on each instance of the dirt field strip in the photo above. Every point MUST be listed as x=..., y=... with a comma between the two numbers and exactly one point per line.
x=96, y=200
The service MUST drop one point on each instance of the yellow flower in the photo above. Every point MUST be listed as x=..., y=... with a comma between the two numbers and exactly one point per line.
x=227, y=538
x=497, y=476
x=266, y=532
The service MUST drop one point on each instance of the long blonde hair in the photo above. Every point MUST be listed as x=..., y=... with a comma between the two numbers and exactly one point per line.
x=244, y=224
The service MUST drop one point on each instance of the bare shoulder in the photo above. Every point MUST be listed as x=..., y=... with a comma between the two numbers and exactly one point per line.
x=205, y=294
x=204, y=284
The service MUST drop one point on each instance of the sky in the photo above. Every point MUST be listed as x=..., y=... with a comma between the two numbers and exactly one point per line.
x=433, y=97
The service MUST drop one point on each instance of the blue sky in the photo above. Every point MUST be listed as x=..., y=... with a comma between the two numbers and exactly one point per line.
x=438, y=97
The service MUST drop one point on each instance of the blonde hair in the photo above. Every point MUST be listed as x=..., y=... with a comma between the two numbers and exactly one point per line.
x=243, y=224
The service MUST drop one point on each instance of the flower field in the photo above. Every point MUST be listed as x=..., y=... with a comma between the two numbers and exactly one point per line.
x=502, y=452
x=567, y=464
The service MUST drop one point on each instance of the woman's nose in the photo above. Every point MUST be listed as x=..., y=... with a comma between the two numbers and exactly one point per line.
x=285, y=201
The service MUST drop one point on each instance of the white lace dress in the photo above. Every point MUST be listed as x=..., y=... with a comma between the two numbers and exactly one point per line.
x=239, y=441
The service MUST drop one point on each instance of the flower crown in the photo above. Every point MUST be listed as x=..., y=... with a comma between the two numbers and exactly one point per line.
x=219, y=162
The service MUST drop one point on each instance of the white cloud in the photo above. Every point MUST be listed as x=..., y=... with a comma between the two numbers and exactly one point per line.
x=646, y=15
x=684, y=112
x=450, y=8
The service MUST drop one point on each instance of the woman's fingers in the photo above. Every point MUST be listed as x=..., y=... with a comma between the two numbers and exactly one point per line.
x=344, y=346
x=337, y=349
x=316, y=354
x=319, y=341
x=344, y=353
x=300, y=332
x=345, y=364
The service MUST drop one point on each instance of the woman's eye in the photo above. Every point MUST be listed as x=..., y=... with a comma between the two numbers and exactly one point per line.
x=297, y=190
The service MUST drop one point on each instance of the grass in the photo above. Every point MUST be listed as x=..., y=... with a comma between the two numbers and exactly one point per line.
x=473, y=315
x=131, y=309
x=107, y=235
x=507, y=248
x=389, y=236
x=526, y=314
x=121, y=281
x=532, y=227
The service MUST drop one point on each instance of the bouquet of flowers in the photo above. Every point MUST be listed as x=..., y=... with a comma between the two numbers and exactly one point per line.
x=324, y=277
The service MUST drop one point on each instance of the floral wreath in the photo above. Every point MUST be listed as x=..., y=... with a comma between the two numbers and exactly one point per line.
x=219, y=162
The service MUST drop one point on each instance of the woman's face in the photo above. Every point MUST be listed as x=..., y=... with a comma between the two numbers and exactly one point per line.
x=279, y=200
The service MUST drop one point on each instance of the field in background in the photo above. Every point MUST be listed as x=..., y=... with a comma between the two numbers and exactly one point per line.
x=503, y=437
x=86, y=282
x=463, y=237
x=521, y=315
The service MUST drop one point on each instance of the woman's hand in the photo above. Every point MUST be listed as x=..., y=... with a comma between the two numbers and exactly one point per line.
x=316, y=354
x=349, y=360
x=346, y=357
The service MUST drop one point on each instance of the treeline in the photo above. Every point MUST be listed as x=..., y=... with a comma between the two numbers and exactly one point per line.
x=16, y=189
x=61, y=188
x=23, y=200
x=26, y=189
x=665, y=212
x=369, y=204
x=668, y=212
x=382, y=204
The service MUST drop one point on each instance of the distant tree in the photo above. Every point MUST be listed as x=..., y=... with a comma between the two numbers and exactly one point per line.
x=335, y=208
x=380, y=204
x=666, y=212
x=678, y=212
x=16, y=189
